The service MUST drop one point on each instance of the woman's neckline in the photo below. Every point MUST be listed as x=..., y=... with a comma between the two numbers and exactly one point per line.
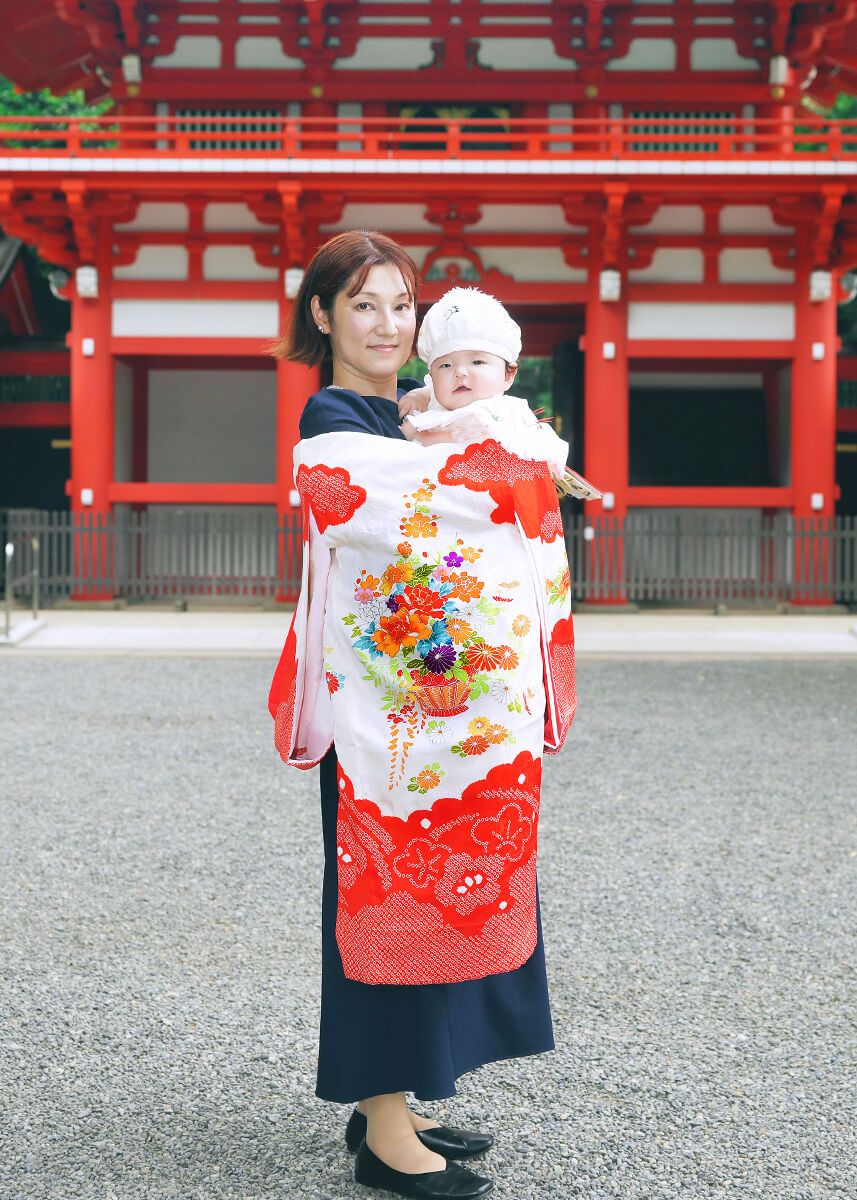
x=337, y=387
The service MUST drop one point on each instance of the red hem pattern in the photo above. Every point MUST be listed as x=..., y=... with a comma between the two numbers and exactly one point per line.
x=449, y=893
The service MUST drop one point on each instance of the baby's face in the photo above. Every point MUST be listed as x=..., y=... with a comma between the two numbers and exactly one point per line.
x=463, y=376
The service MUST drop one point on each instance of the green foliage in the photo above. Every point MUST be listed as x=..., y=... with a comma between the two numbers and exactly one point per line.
x=45, y=103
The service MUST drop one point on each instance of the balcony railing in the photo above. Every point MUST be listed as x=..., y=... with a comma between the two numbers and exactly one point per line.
x=708, y=137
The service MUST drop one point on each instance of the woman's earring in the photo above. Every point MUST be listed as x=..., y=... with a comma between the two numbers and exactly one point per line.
x=320, y=328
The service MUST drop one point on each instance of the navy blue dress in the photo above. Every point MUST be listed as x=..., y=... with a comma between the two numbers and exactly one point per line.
x=384, y=1038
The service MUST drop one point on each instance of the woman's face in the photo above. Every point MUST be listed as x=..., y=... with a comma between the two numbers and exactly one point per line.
x=372, y=332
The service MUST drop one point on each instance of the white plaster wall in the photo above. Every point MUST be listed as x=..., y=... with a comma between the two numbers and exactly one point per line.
x=738, y=322
x=123, y=387
x=719, y=54
x=532, y=263
x=191, y=51
x=156, y=262
x=674, y=218
x=234, y=262
x=672, y=265
x=391, y=218
x=380, y=53
x=748, y=218
x=195, y=318
x=522, y=54
x=751, y=265
x=646, y=54
x=263, y=53
x=154, y=216
x=523, y=218
x=231, y=218
x=212, y=426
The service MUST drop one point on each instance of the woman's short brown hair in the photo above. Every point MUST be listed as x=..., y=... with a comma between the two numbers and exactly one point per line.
x=343, y=261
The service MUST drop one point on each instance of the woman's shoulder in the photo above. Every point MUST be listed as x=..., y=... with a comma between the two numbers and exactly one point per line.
x=336, y=410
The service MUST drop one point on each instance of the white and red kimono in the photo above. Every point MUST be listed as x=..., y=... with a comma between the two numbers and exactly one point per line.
x=433, y=645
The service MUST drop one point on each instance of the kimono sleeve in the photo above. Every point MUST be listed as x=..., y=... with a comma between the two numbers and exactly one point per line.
x=557, y=646
x=298, y=699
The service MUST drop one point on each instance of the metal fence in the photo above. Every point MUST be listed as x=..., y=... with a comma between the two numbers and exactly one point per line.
x=688, y=557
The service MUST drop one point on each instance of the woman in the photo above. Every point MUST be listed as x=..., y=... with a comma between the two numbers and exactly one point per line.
x=440, y=1016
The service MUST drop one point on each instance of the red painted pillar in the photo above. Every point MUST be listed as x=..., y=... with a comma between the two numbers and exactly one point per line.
x=295, y=383
x=605, y=434
x=92, y=422
x=813, y=437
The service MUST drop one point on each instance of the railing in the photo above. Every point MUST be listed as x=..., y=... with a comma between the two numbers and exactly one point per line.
x=421, y=137
x=687, y=558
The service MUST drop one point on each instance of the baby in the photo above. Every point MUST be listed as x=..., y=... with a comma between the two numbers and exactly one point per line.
x=471, y=346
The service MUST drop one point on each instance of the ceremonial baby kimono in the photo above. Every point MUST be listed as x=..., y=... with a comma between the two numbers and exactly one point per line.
x=433, y=643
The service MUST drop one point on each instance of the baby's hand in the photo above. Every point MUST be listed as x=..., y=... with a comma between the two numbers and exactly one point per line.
x=416, y=400
x=410, y=432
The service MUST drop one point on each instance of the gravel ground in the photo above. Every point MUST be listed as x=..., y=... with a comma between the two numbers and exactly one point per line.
x=159, y=884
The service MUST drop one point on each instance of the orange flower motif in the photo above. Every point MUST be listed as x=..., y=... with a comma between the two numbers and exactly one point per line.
x=477, y=744
x=466, y=587
x=368, y=581
x=508, y=658
x=395, y=573
x=423, y=495
x=469, y=554
x=458, y=630
x=497, y=734
x=479, y=725
x=521, y=626
x=402, y=629
x=427, y=779
x=419, y=526
x=404, y=548
x=484, y=657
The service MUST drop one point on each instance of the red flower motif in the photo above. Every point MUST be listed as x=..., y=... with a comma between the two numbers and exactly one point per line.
x=420, y=861
x=328, y=493
x=506, y=834
x=423, y=600
x=519, y=487
x=332, y=682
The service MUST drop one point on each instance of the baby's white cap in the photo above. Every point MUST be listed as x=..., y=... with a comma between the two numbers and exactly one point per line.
x=467, y=319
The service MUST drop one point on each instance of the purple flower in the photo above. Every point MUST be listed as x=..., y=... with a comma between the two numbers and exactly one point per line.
x=452, y=559
x=393, y=603
x=440, y=658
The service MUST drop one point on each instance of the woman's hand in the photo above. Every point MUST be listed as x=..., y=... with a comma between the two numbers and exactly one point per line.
x=416, y=400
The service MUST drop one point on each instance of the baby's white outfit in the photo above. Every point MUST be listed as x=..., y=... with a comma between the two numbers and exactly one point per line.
x=509, y=420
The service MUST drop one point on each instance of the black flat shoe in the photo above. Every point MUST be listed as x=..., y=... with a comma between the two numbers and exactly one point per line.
x=455, y=1183
x=450, y=1143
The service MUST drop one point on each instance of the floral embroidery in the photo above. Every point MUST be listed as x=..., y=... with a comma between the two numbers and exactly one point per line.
x=558, y=587
x=420, y=633
x=482, y=733
x=335, y=681
x=458, y=630
x=521, y=625
x=419, y=526
x=506, y=834
x=426, y=779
